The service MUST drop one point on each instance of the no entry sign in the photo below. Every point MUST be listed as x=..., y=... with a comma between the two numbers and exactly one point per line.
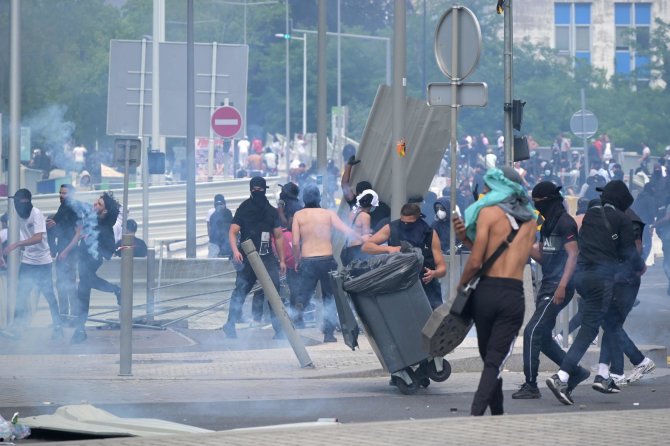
x=226, y=121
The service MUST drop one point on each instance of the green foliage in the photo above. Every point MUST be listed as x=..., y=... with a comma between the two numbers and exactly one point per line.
x=65, y=46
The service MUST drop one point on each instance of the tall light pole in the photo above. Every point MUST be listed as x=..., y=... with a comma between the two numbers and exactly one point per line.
x=288, y=97
x=387, y=41
x=304, y=76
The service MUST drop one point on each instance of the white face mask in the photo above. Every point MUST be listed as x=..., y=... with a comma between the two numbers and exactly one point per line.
x=441, y=214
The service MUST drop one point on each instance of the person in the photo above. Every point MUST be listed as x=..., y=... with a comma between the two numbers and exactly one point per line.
x=627, y=284
x=382, y=213
x=605, y=239
x=79, y=157
x=270, y=161
x=411, y=228
x=359, y=221
x=65, y=229
x=97, y=244
x=256, y=220
x=219, y=219
x=313, y=253
x=139, y=246
x=287, y=206
x=85, y=182
x=497, y=304
x=442, y=225
x=35, y=269
x=557, y=253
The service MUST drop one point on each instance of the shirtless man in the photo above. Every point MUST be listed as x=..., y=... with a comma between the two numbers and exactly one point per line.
x=497, y=304
x=313, y=253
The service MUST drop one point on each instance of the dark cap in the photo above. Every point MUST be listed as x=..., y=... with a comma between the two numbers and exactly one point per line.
x=291, y=190
x=258, y=182
x=545, y=189
x=511, y=174
x=219, y=199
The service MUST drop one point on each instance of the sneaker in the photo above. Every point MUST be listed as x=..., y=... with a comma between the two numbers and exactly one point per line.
x=577, y=378
x=527, y=391
x=329, y=337
x=559, y=338
x=229, y=329
x=619, y=380
x=605, y=385
x=78, y=337
x=640, y=370
x=57, y=332
x=595, y=341
x=560, y=390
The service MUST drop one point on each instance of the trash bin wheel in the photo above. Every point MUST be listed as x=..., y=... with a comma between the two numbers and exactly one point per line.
x=424, y=382
x=406, y=389
x=439, y=376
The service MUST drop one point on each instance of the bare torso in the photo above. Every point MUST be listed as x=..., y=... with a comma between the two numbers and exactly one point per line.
x=315, y=228
x=512, y=261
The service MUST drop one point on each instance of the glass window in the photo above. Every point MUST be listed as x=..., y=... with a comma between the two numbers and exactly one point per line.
x=642, y=67
x=562, y=13
x=622, y=62
x=642, y=38
x=582, y=13
x=563, y=38
x=643, y=13
x=622, y=14
x=583, y=42
x=583, y=55
x=622, y=37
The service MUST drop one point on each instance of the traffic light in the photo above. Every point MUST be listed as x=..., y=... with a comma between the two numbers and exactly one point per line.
x=521, y=151
x=517, y=113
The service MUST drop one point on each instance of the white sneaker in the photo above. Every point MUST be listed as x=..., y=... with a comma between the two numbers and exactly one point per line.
x=595, y=341
x=644, y=368
x=559, y=338
x=619, y=380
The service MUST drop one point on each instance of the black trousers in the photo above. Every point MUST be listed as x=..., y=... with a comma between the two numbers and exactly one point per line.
x=66, y=283
x=622, y=302
x=88, y=280
x=317, y=269
x=245, y=280
x=537, y=334
x=497, y=308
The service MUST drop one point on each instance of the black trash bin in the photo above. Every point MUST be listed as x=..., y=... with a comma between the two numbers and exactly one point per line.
x=393, y=308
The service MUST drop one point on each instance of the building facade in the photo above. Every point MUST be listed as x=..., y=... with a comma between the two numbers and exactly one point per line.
x=608, y=34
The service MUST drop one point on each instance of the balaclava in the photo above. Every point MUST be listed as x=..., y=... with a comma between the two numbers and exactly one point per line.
x=23, y=203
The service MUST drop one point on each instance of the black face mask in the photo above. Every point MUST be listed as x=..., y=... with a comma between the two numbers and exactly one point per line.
x=258, y=195
x=23, y=208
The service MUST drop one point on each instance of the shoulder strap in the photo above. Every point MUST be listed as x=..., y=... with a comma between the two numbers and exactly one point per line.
x=614, y=235
x=496, y=254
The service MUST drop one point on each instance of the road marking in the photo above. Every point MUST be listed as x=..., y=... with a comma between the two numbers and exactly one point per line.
x=226, y=121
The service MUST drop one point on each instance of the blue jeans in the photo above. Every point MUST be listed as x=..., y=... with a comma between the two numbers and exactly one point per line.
x=31, y=276
x=596, y=288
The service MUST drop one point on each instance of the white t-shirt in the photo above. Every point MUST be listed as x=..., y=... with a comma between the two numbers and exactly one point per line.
x=243, y=146
x=3, y=235
x=79, y=154
x=39, y=253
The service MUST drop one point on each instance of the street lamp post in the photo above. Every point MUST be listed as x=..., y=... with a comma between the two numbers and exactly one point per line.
x=304, y=76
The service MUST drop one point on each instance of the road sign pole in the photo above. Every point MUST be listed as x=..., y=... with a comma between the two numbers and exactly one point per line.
x=508, y=61
x=586, y=146
x=453, y=274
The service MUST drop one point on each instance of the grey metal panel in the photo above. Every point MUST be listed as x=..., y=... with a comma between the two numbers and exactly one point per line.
x=124, y=84
x=427, y=137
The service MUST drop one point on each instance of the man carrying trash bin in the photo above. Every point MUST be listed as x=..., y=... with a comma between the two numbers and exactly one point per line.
x=411, y=228
x=313, y=253
x=497, y=304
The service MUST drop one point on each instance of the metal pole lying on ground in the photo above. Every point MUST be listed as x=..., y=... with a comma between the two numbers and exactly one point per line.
x=272, y=295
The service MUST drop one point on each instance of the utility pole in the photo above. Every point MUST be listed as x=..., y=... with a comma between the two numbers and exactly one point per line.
x=508, y=132
x=399, y=189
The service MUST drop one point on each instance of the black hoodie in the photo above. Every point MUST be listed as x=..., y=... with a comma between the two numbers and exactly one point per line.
x=598, y=251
